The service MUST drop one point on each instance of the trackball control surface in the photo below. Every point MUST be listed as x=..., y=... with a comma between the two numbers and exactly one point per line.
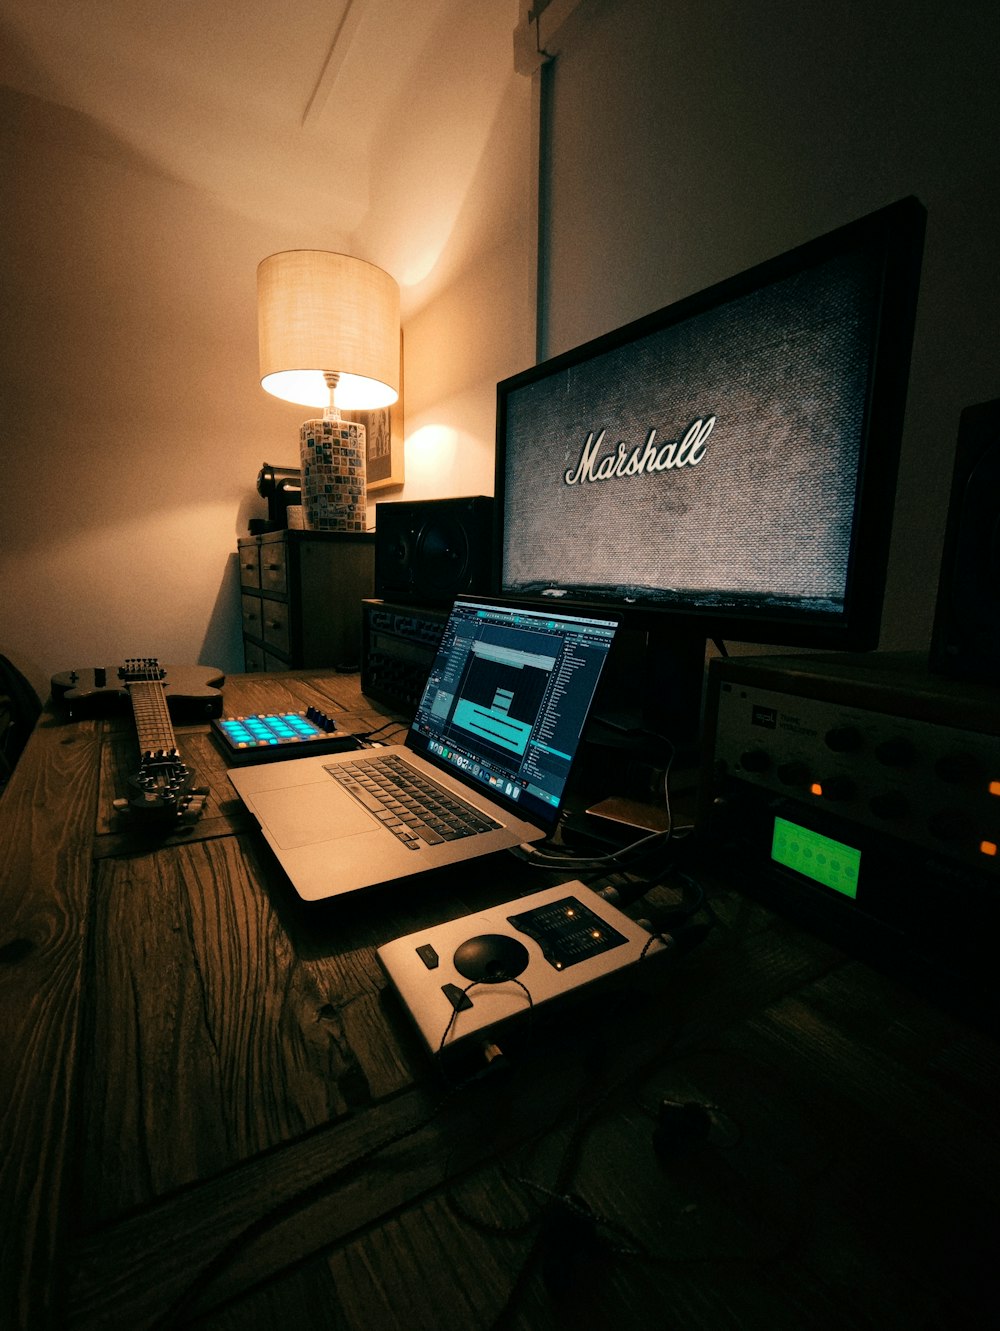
x=490, y=958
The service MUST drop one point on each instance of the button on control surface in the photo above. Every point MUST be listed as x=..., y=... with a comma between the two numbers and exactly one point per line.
x=428, y=956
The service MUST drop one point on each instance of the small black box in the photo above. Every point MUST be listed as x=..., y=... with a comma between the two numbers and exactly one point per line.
x=428, y=551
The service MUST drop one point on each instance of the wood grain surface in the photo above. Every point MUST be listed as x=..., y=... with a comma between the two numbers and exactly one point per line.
x=46, y=820
x=216, y=1112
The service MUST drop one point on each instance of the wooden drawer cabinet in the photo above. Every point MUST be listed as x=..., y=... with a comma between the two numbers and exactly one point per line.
x=276, y=634
x=252, y=623
x=301, y=595
x=253, y=657
x=274, y=569
x=249, y=552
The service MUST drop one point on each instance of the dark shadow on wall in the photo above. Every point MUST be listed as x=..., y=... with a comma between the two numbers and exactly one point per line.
x=222, y=646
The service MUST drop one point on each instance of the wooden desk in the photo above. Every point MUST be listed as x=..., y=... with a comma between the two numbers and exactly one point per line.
x=213, y=1108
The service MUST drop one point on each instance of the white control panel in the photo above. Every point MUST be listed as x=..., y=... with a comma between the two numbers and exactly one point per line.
x=469, y=977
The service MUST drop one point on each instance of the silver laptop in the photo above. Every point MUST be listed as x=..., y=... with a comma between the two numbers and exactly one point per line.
x=484, y=766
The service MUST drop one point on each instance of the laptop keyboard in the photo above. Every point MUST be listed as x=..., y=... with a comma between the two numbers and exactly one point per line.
x=414, y=808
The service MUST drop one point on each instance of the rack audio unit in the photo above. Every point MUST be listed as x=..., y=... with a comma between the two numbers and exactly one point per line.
x=862, y=795
x=398, y=646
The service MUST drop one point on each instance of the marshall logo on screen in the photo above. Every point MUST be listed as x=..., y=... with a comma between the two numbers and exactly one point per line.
x=687, y=451
x=713, y=461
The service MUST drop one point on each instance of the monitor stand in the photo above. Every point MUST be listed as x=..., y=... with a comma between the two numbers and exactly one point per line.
x=647, y=716
x=653, y=688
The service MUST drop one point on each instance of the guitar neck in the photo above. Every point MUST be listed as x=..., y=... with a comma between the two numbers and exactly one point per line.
x=152, y=718
x=162, y=791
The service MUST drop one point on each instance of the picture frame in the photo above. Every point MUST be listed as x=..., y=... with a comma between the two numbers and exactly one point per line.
x=384, y=440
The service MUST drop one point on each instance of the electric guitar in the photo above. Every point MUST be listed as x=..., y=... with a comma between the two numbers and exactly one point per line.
x=163, y=787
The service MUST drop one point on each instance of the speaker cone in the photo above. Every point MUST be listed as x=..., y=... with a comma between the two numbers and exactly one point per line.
x=442, y=556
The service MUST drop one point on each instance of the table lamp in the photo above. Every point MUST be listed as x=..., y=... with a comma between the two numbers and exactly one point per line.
x=328, y=328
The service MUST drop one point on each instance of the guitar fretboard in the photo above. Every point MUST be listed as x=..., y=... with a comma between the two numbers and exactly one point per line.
x=152, y=718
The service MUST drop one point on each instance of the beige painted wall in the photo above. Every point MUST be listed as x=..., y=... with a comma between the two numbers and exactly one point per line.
x=131, y=419
x=479, y=326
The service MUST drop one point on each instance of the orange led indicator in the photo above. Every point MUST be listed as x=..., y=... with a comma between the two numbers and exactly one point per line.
x=995, y=787
x=816, y=788
x=988, y=847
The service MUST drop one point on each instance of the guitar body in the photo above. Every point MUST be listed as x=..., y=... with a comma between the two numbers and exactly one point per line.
x=192, y=693
x=162, y=791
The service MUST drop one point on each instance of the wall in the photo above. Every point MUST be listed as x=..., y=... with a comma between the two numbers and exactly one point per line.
x=133, y=427
x=689, y=141
x=131, y=419
x=478, y=327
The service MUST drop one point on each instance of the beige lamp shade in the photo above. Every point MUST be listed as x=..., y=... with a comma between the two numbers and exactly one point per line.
x=320, y=314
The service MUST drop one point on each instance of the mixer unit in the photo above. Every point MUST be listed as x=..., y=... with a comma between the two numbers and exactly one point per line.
x=862, y=794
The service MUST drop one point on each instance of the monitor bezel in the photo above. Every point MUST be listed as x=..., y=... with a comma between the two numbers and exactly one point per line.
x=895, y=234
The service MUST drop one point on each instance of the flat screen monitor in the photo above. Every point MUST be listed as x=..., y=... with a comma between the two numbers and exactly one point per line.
x=726, y=465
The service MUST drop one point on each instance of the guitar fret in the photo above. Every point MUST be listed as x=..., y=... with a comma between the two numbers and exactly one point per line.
x=152, y=717
x=161, y=789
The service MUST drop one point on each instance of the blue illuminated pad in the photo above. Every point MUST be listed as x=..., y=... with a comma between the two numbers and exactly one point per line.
x=271, y=735
x=268, y=730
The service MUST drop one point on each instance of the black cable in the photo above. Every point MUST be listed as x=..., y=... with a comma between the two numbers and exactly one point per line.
x=539, y=856
x=505, y=979
x=574, y=1224
x=566, y=1169
x=389, y=725
x=182, y=1307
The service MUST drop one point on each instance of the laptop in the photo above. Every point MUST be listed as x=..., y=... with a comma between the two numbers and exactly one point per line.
x=489, y=751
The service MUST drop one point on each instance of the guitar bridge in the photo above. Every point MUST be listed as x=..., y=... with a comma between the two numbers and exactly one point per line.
x=141, y=667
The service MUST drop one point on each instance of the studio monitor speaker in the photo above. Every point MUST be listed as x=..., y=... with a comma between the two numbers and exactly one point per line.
x=966, y=638
x=428, y=551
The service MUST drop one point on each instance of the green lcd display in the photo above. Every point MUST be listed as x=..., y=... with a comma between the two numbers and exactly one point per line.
x=818, y=857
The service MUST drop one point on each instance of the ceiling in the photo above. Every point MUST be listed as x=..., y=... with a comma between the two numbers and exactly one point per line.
x=334, y=111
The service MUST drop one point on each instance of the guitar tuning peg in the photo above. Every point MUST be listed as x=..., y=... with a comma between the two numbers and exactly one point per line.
x=192, y=811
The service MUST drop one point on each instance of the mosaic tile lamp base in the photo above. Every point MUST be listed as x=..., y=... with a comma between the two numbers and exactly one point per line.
x=332, y=455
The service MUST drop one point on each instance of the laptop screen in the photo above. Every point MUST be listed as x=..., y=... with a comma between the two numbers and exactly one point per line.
x=508, y=697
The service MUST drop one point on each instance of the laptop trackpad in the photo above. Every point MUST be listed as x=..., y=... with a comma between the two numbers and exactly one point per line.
x=302, y=815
